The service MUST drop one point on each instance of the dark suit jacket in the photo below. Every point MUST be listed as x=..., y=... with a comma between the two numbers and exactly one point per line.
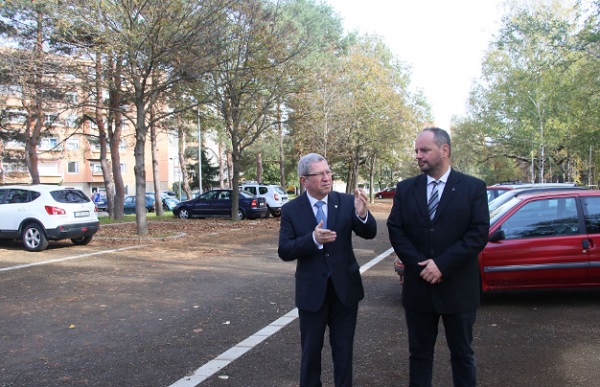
x=455, y=236
x=313, y=265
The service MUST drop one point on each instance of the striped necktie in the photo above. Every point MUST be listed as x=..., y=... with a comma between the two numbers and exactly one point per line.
x=320, y=213
x=434, y=199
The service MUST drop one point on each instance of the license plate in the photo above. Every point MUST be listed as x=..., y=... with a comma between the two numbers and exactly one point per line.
x=82, y=214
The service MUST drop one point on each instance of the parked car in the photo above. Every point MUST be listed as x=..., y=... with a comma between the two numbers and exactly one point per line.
x=275, y=195
x=169, y=203
x=39, y=213
x=100, y=201
x=217, y=203
x=499, y=189
x=500, y=200
x=386, y=193
x=543, y=239
x=129, y=204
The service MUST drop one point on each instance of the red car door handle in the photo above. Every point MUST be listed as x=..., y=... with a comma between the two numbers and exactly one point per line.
x=586, y=244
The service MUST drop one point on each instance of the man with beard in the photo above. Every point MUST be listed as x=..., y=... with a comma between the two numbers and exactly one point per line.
x=438, y=224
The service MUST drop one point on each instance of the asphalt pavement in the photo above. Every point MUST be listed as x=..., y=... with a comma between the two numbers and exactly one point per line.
x=156, y=314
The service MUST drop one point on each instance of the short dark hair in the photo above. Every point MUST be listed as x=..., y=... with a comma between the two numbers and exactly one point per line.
x=440, y=137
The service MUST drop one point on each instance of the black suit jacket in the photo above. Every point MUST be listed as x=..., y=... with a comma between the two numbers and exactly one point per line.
x=337, y=258
x=453, y=239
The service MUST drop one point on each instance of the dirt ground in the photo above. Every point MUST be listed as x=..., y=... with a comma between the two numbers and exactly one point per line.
x=171, y=230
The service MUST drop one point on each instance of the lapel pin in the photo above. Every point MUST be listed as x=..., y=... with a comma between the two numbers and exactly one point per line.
x=335, y=205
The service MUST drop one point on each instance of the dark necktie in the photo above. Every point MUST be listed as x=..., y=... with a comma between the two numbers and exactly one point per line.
x=433, y=200
x=320, y=213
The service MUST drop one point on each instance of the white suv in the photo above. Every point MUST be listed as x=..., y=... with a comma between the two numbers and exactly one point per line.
x=39, y=213
x=275, y=195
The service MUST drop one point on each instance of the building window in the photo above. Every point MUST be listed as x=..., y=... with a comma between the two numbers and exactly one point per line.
x=71, y=121
x=16, y=116
x=96, y=168
x=71, y=97
x=50, y=118
x=49, y=143
x=73, y=167
x=15, y=167
x=73, y=144
x=123, y=168
x=49, y=168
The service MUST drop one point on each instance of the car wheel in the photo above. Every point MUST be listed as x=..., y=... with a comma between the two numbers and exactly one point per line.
x=34, y=238
x=276, y=212
x=240, y=214
x=184, y=213
x=379, y=196
x=82, y=241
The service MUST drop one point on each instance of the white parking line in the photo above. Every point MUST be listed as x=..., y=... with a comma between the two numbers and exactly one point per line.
x=68, y=258
x=233, y=353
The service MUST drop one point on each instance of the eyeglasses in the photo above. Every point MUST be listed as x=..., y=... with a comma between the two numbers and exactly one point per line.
x=320, y=174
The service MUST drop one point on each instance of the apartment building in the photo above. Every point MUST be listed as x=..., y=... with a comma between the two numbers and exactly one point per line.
x=69, y=149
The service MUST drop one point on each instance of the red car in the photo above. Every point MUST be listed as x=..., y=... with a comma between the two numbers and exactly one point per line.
x=542, y=240
x=496, y=190
x=386, y=193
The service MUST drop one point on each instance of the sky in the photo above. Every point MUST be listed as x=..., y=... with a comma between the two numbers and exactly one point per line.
x=442, y=41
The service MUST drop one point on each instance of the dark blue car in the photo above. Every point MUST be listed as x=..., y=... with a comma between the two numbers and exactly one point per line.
x=100, y=201
x=217, y=203
x=129, y=204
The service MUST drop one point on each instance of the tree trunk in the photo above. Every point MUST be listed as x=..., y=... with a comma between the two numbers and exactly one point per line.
x=221, y=171
x=183, y=183
x=104, y=165
x=259, y=167
x=230, y=171
x=281, y=154
x=155, y=172
x=139, y=170
x=235, y=156
x=115, y=137
x=33, y=137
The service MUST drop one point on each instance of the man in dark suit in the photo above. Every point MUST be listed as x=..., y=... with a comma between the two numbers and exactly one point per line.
x=328, y=282
x=438, y=224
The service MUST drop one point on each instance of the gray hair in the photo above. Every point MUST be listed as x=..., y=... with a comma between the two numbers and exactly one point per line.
x=440, y=137
x=306, y=161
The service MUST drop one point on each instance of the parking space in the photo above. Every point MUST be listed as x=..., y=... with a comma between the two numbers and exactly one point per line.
x=113, y=315
x=14, y=257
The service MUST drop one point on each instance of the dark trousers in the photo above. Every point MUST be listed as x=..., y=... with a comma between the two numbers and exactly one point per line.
x=342, y=326
x=422, y=334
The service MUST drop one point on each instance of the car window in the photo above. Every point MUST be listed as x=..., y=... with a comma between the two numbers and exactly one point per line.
x=2, y=191
x=69, y=196
x=250, y=189
x=210, y=195
x=129, y=199
x=279, y=189
x=19, y=196
x=224, y=195
x=591, y=211
x=263, y=190
x=494, y=193
x=543, y=218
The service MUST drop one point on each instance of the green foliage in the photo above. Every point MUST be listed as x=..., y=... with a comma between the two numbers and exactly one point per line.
x=534, y=114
